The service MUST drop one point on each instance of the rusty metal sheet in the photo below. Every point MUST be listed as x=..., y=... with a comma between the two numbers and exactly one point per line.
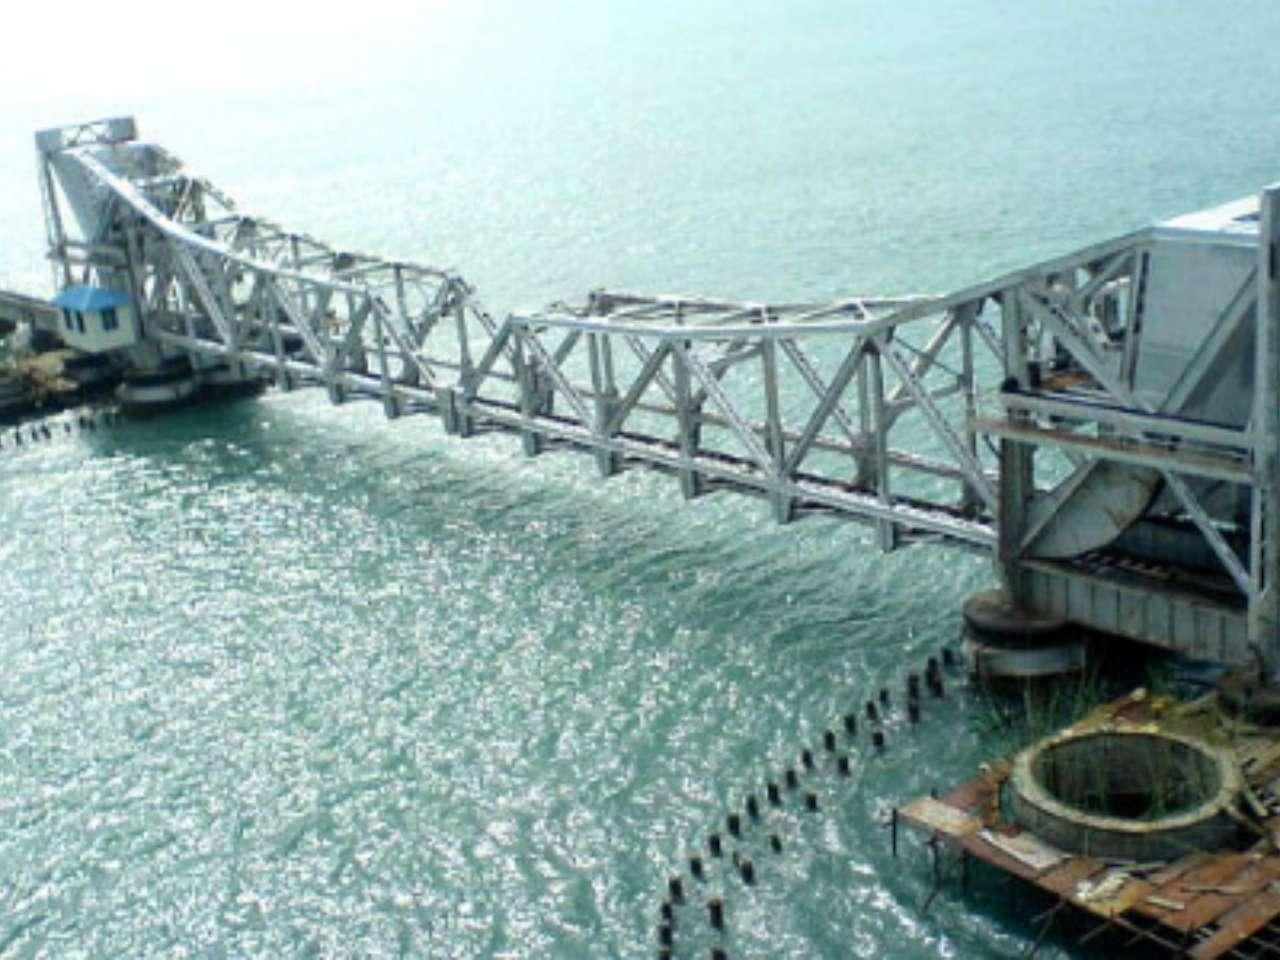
x=1164, y=879
x=1177, y=868
x=1238, y=925
x=1213, y=870
x=1202, y=907
x=1242, y=887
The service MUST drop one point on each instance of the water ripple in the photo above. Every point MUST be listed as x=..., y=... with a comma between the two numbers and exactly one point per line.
x=441, y=707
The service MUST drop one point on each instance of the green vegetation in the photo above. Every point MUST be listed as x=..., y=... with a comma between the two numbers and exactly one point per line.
x=1020, y=714
x=1034, y=709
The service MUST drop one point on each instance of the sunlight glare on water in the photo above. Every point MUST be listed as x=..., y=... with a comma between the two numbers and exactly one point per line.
x=289, y=680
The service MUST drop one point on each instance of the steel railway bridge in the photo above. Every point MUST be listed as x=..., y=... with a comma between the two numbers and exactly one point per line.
x=1104, y=424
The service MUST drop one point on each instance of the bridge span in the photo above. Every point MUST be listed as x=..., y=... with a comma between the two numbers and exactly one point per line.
x=1105, y=424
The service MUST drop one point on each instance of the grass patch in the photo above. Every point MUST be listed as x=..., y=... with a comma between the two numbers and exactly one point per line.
x=1022, y=713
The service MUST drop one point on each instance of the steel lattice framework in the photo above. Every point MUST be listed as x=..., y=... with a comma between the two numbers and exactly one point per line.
x=928, y=418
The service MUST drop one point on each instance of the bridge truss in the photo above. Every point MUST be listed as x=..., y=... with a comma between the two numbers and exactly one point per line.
x=1001, y=418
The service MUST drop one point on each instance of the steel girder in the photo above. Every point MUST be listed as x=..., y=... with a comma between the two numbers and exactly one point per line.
x=660, y=382
x=868, y=408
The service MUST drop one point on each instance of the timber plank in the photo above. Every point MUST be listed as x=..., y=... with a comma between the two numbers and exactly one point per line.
x=976, y=846
x=1238, y=925
x=1203, y=907
x=1062, y=880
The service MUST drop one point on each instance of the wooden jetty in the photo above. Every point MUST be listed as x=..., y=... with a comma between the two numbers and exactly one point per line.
x=1203, y=905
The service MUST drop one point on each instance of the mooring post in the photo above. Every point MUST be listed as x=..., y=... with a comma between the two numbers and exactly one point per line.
x=932, y=843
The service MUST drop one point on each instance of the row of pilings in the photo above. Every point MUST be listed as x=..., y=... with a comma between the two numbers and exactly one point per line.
x=742, y=848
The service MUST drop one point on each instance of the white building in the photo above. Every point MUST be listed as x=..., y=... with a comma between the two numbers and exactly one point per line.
x=95, y=319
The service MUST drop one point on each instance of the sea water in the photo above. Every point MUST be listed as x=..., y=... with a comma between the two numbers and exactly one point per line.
x=282, y=679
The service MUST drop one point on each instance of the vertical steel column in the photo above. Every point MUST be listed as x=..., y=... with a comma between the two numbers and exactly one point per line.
x=54, y=232
x=218, y=273
x=135, y=269
x=783, y=505
x=1016, y=472
x=967, y=316
x=527, y=383
x=269, y=313
x=610, y=378
x=455, y=398
x=1264, y=567
x=886, y=533
x=606, y=401
x=1133, y=320
x=409, y=373
x=690, y=481
x=466, y=366
x=390, y=402
x=865, y=461
x=610, y=390
x=182, y=299
x=317, y=323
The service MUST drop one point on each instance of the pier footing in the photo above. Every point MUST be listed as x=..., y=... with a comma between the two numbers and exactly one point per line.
x=1003, y=641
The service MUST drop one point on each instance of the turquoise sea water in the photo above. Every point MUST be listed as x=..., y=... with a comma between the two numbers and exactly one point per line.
x=286, y=680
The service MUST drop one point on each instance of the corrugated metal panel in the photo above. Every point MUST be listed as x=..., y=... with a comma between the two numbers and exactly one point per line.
x=1191, y=625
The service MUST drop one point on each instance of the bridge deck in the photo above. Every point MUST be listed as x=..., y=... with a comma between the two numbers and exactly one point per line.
x=18, y=308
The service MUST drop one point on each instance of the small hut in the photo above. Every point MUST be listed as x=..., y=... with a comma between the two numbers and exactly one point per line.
x=95, y=319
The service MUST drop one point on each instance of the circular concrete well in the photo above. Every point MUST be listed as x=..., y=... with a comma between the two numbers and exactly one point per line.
x=1126, y=795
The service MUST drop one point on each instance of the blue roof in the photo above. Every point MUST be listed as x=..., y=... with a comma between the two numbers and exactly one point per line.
x=80, y=297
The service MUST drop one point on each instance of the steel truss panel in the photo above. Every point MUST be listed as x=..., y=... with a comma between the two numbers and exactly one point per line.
x=884, y=410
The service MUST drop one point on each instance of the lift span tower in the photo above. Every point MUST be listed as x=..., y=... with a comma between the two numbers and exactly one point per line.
x=1105, y=424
